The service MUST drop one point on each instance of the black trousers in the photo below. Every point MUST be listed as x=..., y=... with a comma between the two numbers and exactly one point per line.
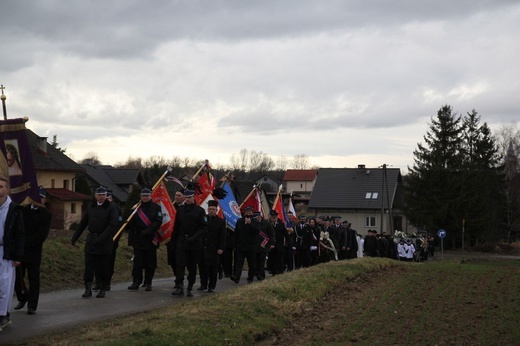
x=226, y=260
x=277, y=260
x=98, y=264
x=144, y=259
x=186, y=259
x=260, y=264
x=289, y=258
x=240, y=257
x=208, y=273
x=29, y=294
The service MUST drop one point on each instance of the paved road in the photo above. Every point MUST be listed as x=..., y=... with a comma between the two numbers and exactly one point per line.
x=64, y=309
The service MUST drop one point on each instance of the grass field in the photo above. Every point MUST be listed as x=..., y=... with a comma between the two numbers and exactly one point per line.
x=364, y=301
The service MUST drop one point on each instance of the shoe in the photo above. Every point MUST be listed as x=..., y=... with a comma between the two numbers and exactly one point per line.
x=249, y=281
x=201, y=288
x=189, y=293
x=179, y=291
x=5, y=321
x=96, y=287
x=101, y=294
x=134, y=286
x=20, y=305
x=31, y=311
x=211, y=290
x=88, y=290
x=234, y=279
x=148, y=288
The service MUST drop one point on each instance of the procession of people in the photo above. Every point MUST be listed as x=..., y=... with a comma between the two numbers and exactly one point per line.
x=201, y=243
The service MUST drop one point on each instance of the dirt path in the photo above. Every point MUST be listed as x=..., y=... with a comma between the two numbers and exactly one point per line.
x=322, y=324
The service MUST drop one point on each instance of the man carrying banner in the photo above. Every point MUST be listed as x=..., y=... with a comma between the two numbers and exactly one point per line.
x=170, y=247
x=264, y=243
x=190, y=224
x=102, y=219
x=141, y=233
x=213, y=242
x=11, y=248
x=282, y=240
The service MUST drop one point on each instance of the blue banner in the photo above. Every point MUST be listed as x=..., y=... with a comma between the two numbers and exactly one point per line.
x=230, y=207
x=16, y=161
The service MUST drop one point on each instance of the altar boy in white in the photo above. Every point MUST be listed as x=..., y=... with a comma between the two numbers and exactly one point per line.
x=11, y=248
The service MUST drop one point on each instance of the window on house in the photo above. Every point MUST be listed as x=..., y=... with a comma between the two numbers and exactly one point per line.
x=53, y=183
x=374, y=195
x=66, y=184
x=370, y=221
x=371, y=195
x=73, y=208
x=301, y=186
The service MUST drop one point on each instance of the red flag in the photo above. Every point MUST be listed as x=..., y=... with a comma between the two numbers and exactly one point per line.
x=278, y=206
x=206, y=185
x=291, y=209
x=161, y=197
x=252, y=200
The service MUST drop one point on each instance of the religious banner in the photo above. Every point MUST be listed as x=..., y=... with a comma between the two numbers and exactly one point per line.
x=161, y=197
x=16, y=161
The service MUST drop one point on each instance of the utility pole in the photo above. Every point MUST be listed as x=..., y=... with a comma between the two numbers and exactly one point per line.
x=3, y=97
x=383, y=198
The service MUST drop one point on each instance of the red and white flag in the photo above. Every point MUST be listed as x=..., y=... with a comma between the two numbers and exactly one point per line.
x=161, y=197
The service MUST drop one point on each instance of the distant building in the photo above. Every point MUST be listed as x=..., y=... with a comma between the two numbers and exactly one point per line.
x=56, y=172
x=357, y=195
x=119, y=180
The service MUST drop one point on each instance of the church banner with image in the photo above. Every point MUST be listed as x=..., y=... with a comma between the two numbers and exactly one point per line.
x=16, y=161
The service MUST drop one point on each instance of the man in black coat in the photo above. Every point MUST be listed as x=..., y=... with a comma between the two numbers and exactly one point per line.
x=370, y=244
x=142, y=230
x=282, y=240
x=11, y=248
x=190, y=225
x=352, y=245
x=37, y=222
x=246, y=231
x=264, y=243
x=170, y=246
x=213, y=242
x=101, y=217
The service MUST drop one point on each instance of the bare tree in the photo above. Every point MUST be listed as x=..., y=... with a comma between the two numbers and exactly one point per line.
x=282, y=162
x=300, y=161
x=504, y=136
x=260, y=162
x=131, y=163
x=91, y=158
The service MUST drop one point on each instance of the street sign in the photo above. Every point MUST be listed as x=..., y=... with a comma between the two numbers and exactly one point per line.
x=441, y=233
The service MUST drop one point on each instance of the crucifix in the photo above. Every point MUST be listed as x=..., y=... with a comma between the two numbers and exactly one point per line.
x=3, y=101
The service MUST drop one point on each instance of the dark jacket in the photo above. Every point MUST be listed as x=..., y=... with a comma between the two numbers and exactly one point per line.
x=14, y=235
x=37, y=223
x=245, y=235
x=213, y=239
x=102, y=224
x=265, y=237
x=141, y=233
x=190, y=224
x=281, y=235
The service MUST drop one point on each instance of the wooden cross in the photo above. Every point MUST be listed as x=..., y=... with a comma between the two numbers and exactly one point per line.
x=2, y=87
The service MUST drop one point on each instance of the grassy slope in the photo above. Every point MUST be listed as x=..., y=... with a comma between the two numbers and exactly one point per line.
x=441, y=302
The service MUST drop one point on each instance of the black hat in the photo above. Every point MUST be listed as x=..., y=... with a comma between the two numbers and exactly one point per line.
x=248, y=208
x=101, y=190
x=302, y=217
x=212, y=203
x=42, y=192
x=189, y=193
x=273, y=212
x=109, y=193
x=146, y=192
x=257, y=213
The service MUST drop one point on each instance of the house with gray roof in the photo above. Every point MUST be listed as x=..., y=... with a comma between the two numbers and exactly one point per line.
x=119, y=180
x=56, y=172
x=363, y=196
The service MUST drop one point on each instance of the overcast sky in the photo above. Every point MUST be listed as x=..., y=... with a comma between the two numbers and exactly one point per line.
x=343, y=82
